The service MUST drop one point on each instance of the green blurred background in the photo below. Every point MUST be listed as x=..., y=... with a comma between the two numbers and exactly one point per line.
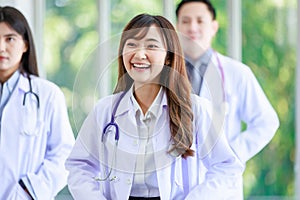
x=268, y=47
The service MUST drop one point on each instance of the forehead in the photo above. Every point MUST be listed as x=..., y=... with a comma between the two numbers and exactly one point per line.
x=148, y=32
x=5, y=29
x=194, y=9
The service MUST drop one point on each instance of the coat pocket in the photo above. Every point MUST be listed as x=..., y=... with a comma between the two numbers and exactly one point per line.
x=31, y=122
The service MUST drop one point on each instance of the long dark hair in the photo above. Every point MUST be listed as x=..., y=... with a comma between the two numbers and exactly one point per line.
x=173, y=78
x=16, y=20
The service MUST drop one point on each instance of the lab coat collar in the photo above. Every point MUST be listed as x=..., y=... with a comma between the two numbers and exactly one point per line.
x=154, y=109
x=12, y=81
x=126, y=102
x=23, y=83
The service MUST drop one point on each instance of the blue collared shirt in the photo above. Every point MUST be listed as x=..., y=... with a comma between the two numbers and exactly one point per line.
x=6, y=89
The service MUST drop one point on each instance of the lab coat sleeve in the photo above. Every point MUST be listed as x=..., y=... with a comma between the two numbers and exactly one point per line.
x=51, y=176
x=83, y=162
x=259, y=116
x=224, y=169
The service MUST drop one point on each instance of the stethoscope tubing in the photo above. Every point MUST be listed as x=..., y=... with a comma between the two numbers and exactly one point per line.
x=31, y=92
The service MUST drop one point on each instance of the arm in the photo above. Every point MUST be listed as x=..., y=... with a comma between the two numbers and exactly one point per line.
x=258, y=114
x=51, y=176
x=83, y=162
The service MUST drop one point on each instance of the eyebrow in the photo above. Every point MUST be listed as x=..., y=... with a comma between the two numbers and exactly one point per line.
x=11, y=35
x=152, y=40
x=147, y=40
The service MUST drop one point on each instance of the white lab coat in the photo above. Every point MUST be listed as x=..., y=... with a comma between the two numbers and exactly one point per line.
x=245, y=101
x=37, y=156
x=177, y=178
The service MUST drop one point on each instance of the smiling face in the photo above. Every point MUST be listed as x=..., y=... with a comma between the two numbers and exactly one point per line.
x=144, y=58
x=12, y=47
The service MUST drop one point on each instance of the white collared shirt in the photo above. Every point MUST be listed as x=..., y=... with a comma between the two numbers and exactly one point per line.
x=145, y=179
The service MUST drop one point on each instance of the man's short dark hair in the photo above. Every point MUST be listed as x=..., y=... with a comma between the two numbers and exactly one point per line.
x=209, y=5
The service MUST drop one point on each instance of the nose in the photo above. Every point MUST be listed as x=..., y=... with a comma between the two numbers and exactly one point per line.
x=193, y=27
x=140, y=53
x=2, y=45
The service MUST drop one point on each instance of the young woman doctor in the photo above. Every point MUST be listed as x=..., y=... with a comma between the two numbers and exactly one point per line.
x=146, y=140
x=35, y=133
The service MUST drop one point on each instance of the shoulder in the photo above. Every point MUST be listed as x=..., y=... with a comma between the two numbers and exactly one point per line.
x=107, y=101
x=237, y=75
x=45, y=87
x=41, y=82
x=232, y=65
x=106, y=104
x=101, y=111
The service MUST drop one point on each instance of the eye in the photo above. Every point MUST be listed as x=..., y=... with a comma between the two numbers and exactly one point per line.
x=10, y=39
x=130, y=44
x=185, y=20
x=199, y=21
x=152, y=46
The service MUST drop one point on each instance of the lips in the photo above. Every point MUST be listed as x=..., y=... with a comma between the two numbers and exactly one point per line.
x=3, y=58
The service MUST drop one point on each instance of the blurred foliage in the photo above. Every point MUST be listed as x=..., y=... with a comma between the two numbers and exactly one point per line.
x=269, y=32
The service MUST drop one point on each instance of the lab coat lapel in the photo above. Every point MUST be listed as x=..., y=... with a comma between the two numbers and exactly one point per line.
x=12, y=108
x=164, y=162
x=127, y=148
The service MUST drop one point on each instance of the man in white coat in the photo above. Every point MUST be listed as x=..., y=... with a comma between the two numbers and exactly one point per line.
x=244, y=98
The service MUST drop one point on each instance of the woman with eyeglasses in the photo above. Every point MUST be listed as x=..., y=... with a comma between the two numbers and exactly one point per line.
x=35, y=133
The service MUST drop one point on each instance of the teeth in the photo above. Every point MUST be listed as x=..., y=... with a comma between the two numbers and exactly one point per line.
x=141, y=65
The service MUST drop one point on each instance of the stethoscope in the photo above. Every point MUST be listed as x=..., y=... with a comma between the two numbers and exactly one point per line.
x=108, y=128
x=29, y=128
x=32, y=93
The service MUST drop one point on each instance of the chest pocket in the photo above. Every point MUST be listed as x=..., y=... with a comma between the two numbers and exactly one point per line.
x=31, y=122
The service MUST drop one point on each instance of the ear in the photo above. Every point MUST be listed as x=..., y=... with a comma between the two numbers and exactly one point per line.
x=25, y=48
x=215, y=27
x=167, y=60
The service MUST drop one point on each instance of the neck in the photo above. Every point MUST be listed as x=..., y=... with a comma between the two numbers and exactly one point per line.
x=4, y=77
x=194, y=54
x=145, y=95
x=6, y=74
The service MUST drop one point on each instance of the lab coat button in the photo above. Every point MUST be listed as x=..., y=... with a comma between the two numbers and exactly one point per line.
x=128, y=181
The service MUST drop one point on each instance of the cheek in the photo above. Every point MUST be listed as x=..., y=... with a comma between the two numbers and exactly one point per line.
x=18, y=53
x=126, y=59
x=159, y=59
